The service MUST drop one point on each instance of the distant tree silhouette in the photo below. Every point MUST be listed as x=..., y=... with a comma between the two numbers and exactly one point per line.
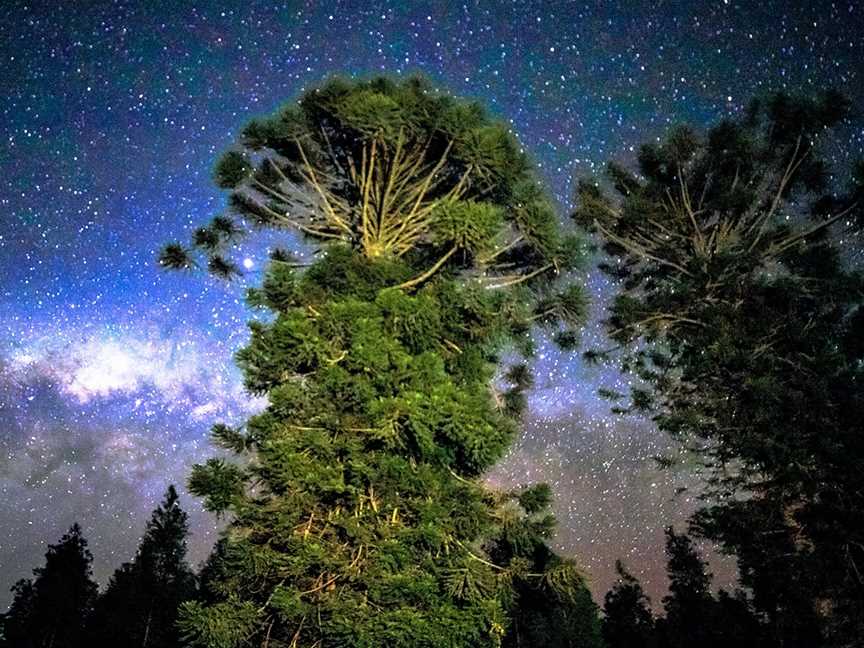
x=743, y=320
x=50, y=610
x=694, y=617
x=689, y=605
x=139, y=606
x=627, y=618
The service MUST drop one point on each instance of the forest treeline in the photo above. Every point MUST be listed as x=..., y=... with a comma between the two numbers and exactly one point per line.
x=62, y=607
x=396, y=360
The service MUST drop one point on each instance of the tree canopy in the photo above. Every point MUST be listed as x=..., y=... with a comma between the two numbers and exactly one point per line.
x=390, y=169
x=741, y=319
x=358, y=517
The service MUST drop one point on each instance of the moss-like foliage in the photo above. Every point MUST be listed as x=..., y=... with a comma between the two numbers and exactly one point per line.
x=357, y=520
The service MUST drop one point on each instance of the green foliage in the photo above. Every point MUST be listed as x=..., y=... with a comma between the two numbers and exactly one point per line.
x=175, y=257
x=569, y=306
x=551, y=605
x=222, y=625
x=536, y=498
x=219, y=482
x=372, y=113
x=357, y=514
x=567, y=340
x=233, y=167
x=229, y=438
x=468, y=225
x=221, y=267
x=392, y=169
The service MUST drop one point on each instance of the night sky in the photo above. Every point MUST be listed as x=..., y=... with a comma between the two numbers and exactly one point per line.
x=111, y=116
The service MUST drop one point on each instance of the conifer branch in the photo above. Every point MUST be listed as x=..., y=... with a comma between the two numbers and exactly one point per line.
x=517, y=279
x=431, y=271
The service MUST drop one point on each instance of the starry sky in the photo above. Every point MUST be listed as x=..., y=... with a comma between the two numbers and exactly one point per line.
x=111, y=116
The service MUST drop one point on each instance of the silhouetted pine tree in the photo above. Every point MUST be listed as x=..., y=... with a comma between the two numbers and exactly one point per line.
x=139, y=607
x=743, y=321
x=694, y=617
x=50, y=610
x=689, y=607
x=737, y=624
x=627, y=618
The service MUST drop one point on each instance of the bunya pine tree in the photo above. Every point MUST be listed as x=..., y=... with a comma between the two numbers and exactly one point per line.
x=741, y=317
x=358, y=514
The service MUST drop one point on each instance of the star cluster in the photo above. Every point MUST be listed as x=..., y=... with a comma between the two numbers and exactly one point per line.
x=111, y=115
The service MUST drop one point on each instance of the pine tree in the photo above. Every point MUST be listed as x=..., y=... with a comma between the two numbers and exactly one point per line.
x=689, y=606
x=743, y=323
x=736, y=622
x=16, y=624
x=139, y=606
x=627, y=618
x=358, y=514
x=50, y=610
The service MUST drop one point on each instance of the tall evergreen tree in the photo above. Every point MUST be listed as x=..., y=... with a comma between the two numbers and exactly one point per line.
x=744, y=326
x=694, y=617
x=627, y=618
x=358, y=513
x=689, y=606
x=139, y=607
x=737, y=623
x=50, y=610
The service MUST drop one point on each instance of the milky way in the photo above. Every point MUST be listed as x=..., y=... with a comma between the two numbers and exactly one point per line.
x=111, y=115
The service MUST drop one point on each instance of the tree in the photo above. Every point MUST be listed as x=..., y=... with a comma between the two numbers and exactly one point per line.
x=689, y=606
x=737, y=623
x=139, y=606
x=627, y=618
x=555, y=611
x=50, y=610
x=742, y=322
x=357, y=514
x=17, y=622
x=694, y=617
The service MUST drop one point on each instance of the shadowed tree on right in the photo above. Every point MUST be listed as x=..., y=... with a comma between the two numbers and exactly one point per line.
x=739, y=314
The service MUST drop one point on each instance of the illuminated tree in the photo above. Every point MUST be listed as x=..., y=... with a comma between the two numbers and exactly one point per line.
x=358, y=516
